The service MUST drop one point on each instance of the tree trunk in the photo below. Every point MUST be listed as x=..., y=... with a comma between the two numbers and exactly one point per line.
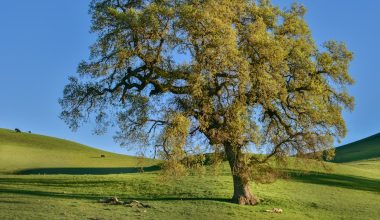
x=242, y=193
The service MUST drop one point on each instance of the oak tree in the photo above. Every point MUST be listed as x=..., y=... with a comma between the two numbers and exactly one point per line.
x=241, y=74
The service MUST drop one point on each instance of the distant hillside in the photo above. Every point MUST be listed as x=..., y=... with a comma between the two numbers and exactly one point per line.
x=366, y=148
x=31, y=153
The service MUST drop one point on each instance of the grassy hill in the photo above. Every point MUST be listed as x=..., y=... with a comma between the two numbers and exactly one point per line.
x=364, y=149
x=346, y=191
x=31, y=153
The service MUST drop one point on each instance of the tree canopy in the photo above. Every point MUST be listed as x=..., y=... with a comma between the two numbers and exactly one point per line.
x=240, y=75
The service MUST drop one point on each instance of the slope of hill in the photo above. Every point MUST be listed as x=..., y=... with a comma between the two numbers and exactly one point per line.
x=31, y=153
x=364, y=149
x=345, y=191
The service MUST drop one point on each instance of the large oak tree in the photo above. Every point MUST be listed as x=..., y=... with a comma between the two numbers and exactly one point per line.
x=241, y=74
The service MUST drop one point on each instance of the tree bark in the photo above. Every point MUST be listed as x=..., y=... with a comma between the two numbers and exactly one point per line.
x=242, y=193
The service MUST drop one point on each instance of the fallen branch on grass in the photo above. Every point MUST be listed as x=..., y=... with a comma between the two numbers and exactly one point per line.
x=115, y=201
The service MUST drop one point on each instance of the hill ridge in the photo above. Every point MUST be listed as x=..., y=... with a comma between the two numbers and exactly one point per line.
x=377, y=135
x=27, y=152
x=366, y=148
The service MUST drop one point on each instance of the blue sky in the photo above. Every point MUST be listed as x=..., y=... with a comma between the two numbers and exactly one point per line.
x=41, y=43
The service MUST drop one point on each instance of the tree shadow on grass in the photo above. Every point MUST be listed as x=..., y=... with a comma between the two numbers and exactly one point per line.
x=53, y=182
x=47, y=194
x=344, y=181
x=12, y=202
x=95, y=198
x=88, y=170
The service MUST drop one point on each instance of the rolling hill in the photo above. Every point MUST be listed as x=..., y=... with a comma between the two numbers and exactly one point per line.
x=367, y=148
x=346, y=191
x=33, y=154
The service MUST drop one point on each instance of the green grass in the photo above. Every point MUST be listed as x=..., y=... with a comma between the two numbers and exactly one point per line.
x=366, y=148
x=30, y=153
x=317, y=196
x=348, y=191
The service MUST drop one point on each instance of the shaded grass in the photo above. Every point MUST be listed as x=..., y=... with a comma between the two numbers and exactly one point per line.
x=335, y=195
x=88, y=170
x=338, y=180
x=364, y=149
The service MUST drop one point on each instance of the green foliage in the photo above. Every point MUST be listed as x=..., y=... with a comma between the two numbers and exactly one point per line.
x=252, y=77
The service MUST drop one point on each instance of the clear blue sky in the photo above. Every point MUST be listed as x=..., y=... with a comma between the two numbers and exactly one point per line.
x=41, y=43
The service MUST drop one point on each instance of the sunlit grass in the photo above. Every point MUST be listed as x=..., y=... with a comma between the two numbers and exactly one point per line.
x=345, y=191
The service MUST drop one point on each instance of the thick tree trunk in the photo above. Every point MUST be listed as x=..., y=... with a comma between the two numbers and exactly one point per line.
x=242, y=193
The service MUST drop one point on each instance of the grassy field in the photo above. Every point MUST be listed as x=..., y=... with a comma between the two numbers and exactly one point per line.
x=33, y=154
x=364, y=149
x=349, y=191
